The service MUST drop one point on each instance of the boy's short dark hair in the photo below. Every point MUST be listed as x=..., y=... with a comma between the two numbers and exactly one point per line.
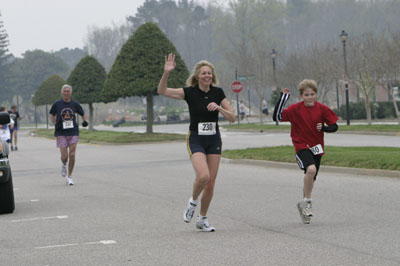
x=307, y=83
x=13, y=107
x=2, y=109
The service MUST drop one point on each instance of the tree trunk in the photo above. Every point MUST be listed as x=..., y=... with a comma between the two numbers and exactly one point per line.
x=149, y=123
x=47, y=117
x=261, y=112
x=396, y=109
x=260, y=94
x=90, y=116
x=368, y=110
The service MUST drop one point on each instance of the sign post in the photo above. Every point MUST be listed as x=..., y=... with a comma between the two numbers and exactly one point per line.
x=244, y=78
x=237, y=87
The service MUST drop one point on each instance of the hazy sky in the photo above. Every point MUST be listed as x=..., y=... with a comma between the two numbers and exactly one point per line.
x=50, y=25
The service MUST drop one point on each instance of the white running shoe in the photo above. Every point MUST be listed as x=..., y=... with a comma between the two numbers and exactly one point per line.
x=305, y=210
x=63, y=170
x=70, y=182
x=203, y=225
x=189, y=212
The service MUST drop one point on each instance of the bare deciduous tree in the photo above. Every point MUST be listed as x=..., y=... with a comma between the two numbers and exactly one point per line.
x=390, y=63
x=365, y=70
x=105, y=43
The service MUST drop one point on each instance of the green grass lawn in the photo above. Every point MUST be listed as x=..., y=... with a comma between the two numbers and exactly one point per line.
x=269, y=127
x=103, y=136
x=385, y=158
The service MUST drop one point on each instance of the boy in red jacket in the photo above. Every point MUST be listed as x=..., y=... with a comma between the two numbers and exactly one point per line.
x=309, y=120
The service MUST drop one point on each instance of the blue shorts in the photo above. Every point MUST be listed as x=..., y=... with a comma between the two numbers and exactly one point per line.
x=13, y=129
x=207, y=144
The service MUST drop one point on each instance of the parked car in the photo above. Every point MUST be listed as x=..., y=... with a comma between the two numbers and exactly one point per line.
x=119, y=122
x=156, y=118
x=184, y=116
x=173, y=116
x=6, y=185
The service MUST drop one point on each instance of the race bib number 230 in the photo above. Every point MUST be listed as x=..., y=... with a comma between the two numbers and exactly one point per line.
x=207, y=128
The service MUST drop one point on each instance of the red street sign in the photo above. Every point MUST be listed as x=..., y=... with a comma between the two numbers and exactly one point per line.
x=237, y=86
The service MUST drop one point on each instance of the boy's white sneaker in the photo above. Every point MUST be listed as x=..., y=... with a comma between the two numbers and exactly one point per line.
x=305, y=210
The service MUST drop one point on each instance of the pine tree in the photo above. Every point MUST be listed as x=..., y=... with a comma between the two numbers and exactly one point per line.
x=3, y=43
x=4, y=57
x=87, y=81
x=48, y=92
x=139, y=67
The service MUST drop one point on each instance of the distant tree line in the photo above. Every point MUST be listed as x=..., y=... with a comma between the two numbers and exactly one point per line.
x=305, y=34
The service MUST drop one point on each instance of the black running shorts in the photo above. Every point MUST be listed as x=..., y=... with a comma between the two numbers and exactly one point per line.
x=211, y=144
x=306, y=158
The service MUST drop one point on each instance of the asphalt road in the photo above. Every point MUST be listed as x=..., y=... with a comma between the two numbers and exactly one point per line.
x=126, y=209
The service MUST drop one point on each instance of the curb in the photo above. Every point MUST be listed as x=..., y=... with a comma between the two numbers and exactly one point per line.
x=325, y=168
x=376, y=133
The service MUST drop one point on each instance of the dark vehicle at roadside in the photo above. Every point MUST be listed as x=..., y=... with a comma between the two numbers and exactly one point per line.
x=119, y=122
x=7, y=204
x=173, y=116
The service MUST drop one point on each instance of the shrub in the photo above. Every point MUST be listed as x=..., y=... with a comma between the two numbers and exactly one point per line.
x=379, y=110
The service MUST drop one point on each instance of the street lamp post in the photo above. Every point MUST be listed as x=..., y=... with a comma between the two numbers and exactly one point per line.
x=337, y=95
x=237, y=100
x=343, y=37
x=335, y=50
x=273, y=56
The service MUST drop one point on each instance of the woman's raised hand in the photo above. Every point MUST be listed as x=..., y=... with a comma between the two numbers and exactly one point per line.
x=169, y=63
x=285, y=91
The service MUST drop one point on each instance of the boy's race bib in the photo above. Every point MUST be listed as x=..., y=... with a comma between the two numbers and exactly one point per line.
x=207, y=128
x=317, y=149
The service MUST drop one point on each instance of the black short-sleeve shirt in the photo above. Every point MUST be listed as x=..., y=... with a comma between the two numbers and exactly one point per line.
x=63, y=112
x=198, y=100
x=14, y=116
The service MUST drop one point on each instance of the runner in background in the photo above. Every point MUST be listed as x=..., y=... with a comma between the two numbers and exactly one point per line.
x=63, y=115
x=6, y=129
x=14, y=115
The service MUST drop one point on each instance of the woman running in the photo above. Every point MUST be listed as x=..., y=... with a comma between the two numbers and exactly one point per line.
x=204, y=143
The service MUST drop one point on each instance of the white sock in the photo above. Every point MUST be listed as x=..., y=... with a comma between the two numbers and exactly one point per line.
x=199, y=218
x=195, y=202
x=307, y=199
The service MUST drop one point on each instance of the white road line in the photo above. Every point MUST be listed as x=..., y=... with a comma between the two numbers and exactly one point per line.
x=40, y=218
x=104, y=242
x=32, y=200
